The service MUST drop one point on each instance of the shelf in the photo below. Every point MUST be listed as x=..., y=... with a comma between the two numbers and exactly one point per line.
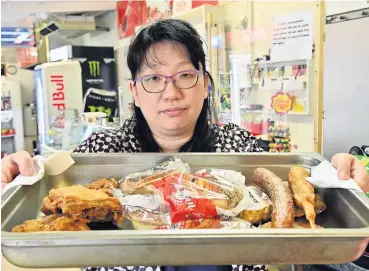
x=5, y=97
x=7, y=136
x=6, y=115
x=271, y=112
x=271, y=62
x=302, y=78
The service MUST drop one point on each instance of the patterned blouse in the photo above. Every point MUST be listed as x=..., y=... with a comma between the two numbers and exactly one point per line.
x=228, y=138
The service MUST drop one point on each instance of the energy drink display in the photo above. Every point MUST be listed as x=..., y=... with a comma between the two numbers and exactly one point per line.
x=100, y=100
x=99, y=83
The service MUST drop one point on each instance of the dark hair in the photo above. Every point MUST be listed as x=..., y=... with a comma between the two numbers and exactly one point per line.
x=183, y=33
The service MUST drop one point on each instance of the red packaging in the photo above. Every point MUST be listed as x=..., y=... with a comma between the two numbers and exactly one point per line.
x=184, y=202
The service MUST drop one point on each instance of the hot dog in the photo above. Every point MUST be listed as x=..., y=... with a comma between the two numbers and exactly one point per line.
x=279, y=193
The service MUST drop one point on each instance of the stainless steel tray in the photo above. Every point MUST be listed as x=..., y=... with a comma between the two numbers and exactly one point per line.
x=346, y=223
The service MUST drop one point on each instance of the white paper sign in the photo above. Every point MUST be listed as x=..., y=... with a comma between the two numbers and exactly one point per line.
x=292, y=36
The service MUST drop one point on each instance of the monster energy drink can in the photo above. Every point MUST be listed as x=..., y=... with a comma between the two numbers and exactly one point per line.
x=100, y=100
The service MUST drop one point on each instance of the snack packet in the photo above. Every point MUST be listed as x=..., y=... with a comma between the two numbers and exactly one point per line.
x=231, y=189
x=136, y=182
x=168, y=196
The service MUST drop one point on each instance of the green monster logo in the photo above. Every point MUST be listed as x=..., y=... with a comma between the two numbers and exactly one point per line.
x=94, y=68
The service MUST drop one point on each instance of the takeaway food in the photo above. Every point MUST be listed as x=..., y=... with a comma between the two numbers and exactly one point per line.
x=104, y=185
x=280, y=195
x=169, y=196
x=55, y=222
x=72, y=208
x=80, y=202
x=302, y=192
x=259, y=208
x=319, y=206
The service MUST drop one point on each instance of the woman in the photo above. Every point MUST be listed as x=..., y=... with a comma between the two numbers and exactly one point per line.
x=173, y=110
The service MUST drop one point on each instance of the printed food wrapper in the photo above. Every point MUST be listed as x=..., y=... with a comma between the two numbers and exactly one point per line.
x=259, y=207
x=235, y=223
x=232, y=186
x=188, y=200
x=136, y=182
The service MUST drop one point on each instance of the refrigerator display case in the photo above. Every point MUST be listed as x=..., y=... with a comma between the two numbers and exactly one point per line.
x=98, y=75
x=12, y=135
x=56, y=85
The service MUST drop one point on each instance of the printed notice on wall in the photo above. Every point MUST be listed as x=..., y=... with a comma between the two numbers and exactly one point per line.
x=292, y=36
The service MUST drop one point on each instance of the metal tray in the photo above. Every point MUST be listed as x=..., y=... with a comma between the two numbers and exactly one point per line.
x=346, y=223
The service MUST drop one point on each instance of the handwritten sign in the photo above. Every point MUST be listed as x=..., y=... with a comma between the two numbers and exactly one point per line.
x=282, y=103
x=292, y=36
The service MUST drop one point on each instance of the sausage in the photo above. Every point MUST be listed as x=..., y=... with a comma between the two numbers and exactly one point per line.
x=279, y=193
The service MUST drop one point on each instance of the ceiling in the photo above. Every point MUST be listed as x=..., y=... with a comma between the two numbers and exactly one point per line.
x=24, y=13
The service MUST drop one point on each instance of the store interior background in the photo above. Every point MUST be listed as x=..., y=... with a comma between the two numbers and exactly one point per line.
x=345, y=91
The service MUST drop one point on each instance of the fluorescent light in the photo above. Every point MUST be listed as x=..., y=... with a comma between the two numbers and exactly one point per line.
x=13, y=33
x=13, y=39
x=21, y=38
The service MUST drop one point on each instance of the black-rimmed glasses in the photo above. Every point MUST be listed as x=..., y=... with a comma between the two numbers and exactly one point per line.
x=155, y=83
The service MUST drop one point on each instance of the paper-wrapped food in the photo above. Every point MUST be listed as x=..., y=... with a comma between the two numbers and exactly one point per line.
x=259, y=207
x=170, y=197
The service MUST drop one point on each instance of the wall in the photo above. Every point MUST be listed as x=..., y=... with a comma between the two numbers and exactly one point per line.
x=346, y=99
x=334, y=7
x=56, y=41
x=108, y=19
x=97, y=38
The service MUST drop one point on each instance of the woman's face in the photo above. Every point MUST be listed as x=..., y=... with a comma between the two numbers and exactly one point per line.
x=173, y=111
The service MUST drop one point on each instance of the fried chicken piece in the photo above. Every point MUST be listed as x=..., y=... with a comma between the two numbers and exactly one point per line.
x=302, y=192
x=55, y=222
x=104, y=186
x=80, y=202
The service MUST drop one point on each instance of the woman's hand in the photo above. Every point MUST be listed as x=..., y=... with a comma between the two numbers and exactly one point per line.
x=12, y=165
x=348, y=166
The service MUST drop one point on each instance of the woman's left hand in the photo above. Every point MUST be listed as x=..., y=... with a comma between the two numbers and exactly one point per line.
x=348, y=166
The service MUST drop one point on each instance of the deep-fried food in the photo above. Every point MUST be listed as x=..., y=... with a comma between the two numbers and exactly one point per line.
x=55, y=222
x=279, y=194
x=302, y=192
x=80, y=202
x=298, y=224
x=319, y=206
x=104, y=185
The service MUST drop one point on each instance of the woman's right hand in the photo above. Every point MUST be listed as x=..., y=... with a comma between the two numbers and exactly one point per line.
x=13, y=164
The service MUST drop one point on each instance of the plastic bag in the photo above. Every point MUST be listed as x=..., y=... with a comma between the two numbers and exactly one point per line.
x=169, y=197
x=235, y=223
x=136, y=182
